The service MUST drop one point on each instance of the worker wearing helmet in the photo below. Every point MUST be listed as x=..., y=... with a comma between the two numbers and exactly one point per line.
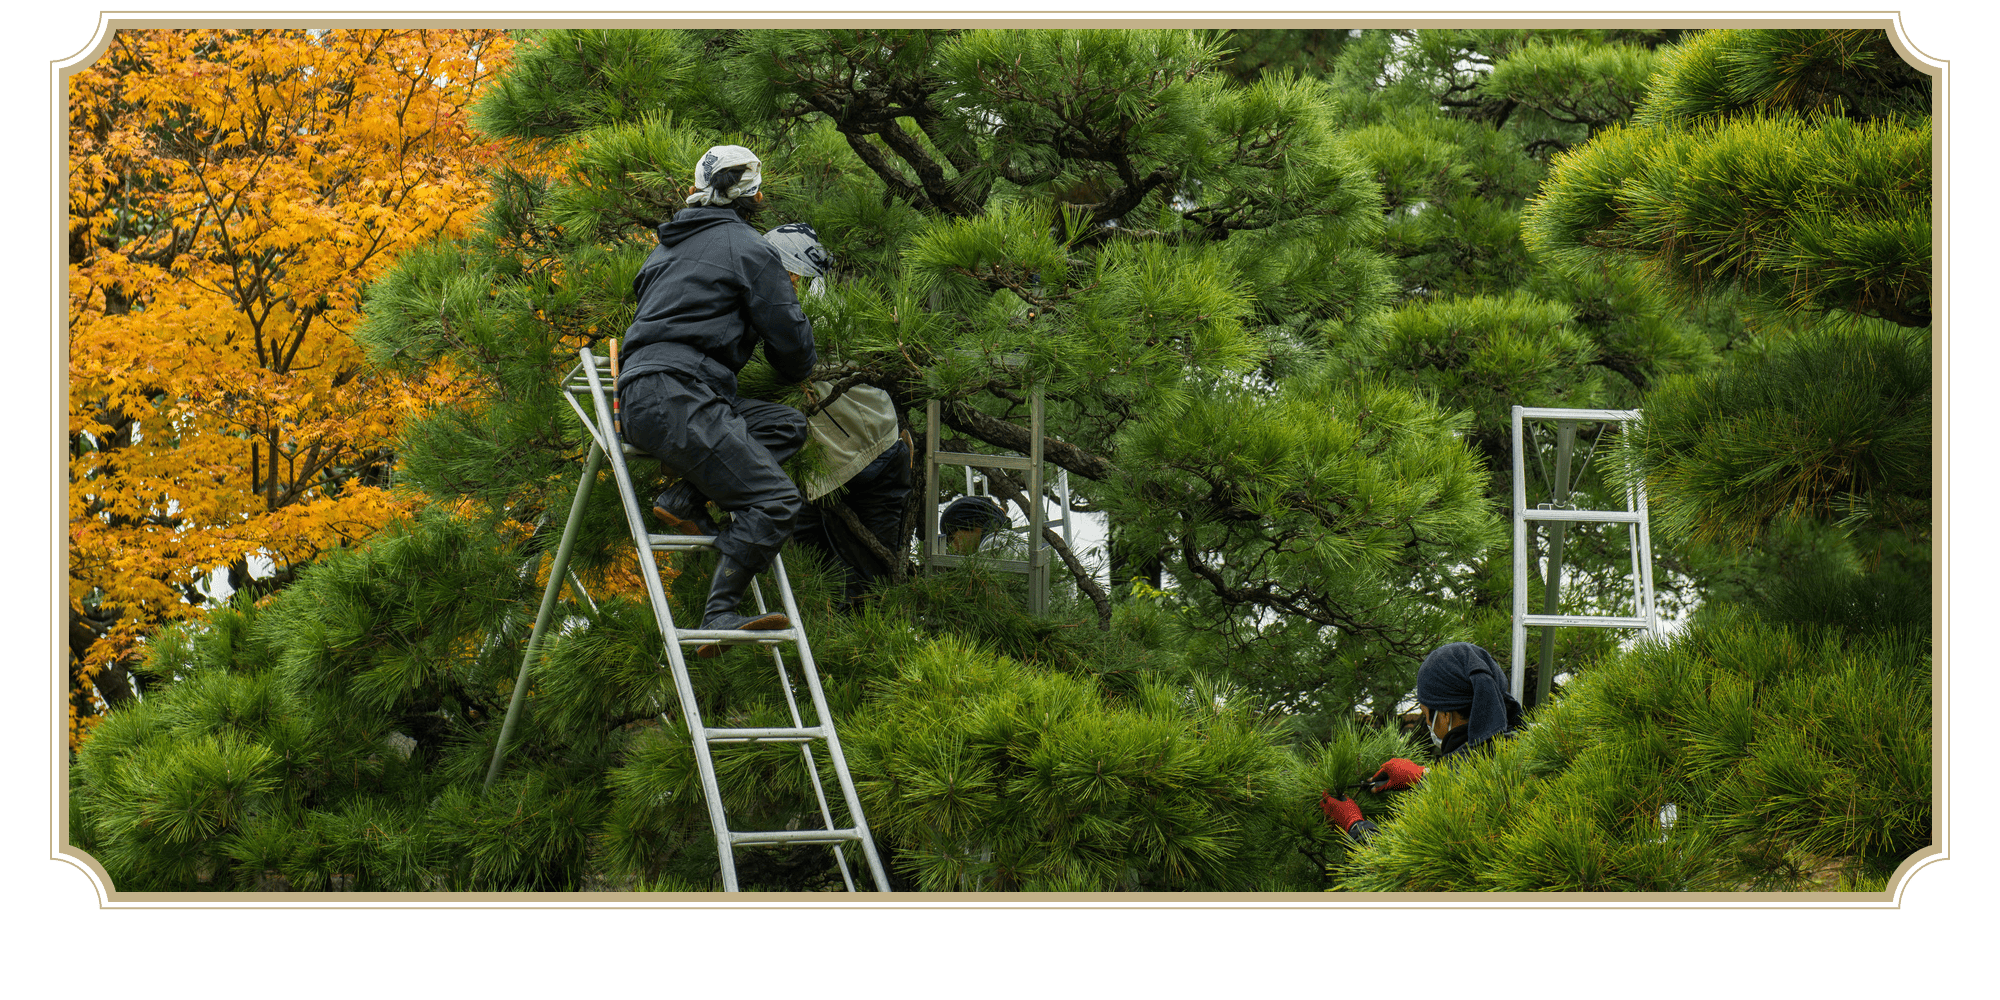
x=708, y=295
x=1464, y=703
x=867, y=457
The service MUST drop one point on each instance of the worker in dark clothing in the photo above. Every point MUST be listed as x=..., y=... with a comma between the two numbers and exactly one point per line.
x=867, y=457
x=1465, y=704
x=967, y=522
x=708, y=295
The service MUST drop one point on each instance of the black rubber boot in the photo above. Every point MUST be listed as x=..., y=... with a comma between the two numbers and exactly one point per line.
x=725, y=592
x=684, y=509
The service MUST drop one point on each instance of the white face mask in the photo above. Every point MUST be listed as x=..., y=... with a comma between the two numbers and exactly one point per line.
x=1430, y=730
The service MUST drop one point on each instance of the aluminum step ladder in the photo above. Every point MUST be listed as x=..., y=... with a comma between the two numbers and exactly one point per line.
x=931, y=550
x=1559, y=512
x=591, y=379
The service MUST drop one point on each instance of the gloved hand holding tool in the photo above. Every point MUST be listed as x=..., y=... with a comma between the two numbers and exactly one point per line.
x=1345, y=813
x=1395, y=773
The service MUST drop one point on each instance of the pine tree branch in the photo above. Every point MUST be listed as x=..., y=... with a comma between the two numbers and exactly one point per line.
x=839, y=389
x=1299, y=604
x=1001, y=434
x=1127, y=198
x=868, y=539
x=874, y=160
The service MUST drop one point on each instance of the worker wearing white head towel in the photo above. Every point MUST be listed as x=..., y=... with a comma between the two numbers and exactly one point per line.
x=708, y=295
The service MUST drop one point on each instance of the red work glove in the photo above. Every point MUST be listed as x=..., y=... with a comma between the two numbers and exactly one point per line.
x=1341, y=811
x=1396, y=773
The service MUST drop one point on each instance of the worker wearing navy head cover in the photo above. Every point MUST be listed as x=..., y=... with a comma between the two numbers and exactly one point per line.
x=1465, y=703
x=709, y=293
x=1464, y=698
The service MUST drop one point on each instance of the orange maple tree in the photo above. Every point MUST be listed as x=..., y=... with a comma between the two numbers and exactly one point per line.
x=231, y=192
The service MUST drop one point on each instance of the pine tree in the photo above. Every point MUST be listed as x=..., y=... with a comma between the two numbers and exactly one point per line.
x=1277, y=377
x=1459, y=126
x=1101, y=215
x=1783, y=741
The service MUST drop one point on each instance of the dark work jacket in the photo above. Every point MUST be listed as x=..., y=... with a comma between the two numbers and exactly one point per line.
x=708, y=294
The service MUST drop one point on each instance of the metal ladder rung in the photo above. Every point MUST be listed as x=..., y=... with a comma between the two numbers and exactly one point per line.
x=793, y=837
x=680, y=543
x=783, y=735
x=1612, y=516
x=983, y=461
x=1010, y=565
x=1588, y=621
x=736, y=637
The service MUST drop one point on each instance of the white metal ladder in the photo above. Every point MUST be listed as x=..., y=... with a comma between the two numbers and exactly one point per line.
x=1558, y=511
x=590, y=378
x=931, y=549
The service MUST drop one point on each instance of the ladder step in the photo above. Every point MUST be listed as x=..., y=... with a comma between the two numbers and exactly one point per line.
x=677, y=543
x=1585, y=620
x=793, y=837
x=784, y=735
x=1624, y=516
x=732, y=637
x=984, y=461
x=1559, y=413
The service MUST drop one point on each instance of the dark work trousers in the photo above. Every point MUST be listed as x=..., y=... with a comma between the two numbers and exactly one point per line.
x=730, y=449
x=877, y=495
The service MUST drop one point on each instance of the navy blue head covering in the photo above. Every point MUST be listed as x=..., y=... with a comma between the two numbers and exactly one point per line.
x=1462, y=677
x=974, y=512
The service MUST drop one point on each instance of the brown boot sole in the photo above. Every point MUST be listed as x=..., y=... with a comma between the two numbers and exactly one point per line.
x=762, y=623
x=680, y=525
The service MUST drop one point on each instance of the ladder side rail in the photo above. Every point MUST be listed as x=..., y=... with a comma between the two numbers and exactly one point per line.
x=1062, y=487
x=1644, y=528
x=1517, y=653
x=1038, y=513
x=589, y=424
x=649, y=572
x=1638, y=578
x=818, y=696
x=557, y=571
x=928, y=547
x=805, y=747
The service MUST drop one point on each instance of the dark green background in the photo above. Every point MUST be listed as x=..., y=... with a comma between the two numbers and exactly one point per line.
x=55, y=937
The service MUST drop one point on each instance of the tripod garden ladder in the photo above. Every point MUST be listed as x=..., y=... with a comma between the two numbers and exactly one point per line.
x=931, y=549
x=1559, y=512
x=590, y=380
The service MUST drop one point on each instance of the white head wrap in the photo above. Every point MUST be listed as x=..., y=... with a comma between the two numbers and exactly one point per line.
x=718, y=159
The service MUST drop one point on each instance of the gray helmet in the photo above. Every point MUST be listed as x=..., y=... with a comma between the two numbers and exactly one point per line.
x=800, y=247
